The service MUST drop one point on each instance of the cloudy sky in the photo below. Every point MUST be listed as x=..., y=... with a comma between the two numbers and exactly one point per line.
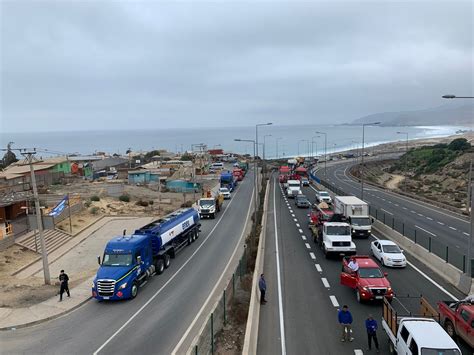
x=77, y=65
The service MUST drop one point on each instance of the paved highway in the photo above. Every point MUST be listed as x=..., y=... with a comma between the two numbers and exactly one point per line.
x=155, y=321
x=443, y=226
x=304, y=319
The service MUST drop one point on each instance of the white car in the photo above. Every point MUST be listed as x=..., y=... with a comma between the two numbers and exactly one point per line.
x=225, y=192
x=323, y=196
x=388, y=253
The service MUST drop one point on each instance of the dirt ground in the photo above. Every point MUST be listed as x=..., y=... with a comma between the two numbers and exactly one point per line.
x=21, y=293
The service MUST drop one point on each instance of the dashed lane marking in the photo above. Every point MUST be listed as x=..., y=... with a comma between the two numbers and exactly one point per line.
x=298, y=225
x=312, y=256
x=300, y=230
x=325, y=282
x=292, y=215
x=441, y=223
x=318, y=267
x=358, y=352
x=390, y=213
x=404, y=208
x=465, y=233
x=424, y=230
x=294, y=219
x=395, y=204
x=307, y=245
x=454, y=229
x=303, y=237
x=334, y=301
x=419, y=214
x=429, y=218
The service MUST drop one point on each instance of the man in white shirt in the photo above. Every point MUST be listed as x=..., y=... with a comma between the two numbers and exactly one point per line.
x=353, y=265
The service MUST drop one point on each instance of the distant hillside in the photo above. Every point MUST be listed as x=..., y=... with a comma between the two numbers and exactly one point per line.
x=448, y=114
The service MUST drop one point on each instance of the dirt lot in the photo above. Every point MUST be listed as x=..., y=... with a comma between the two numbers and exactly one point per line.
x=20, y=293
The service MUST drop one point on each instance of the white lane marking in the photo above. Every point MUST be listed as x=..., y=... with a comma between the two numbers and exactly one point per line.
x=312, y=256
x=298, y=225
x=325, y=282
x=389, y=201
x=424, y=230
x=175, y=274
x=457, y=246
x=413, y=211
x=291, y=211
x=318, y=267
x=300, y=230
x=307, y=245
x=390, y=213
x=334, y=301
x=303, y=237
x=454, y=229
x=428, y=278
x=358, y=352
x=441, y=223
x=419, y=214
x=429, y=218
x=466, y=234
x=294, y=219
x=395, y=204
x=292, y=215
x=404, y=208
x=384, y=199
x=280, y=297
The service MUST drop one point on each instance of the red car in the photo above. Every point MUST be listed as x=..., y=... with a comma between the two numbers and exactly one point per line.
x=369, y=282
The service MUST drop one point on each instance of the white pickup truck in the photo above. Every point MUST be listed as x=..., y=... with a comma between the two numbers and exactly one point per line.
x=415, y=335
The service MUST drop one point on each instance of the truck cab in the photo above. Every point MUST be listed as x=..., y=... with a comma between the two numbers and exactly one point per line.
x=293, y=189
x=209, y=206
x=458, y=319
x=336, y=239
x=369, y=282
x=127, y=261
x=356, y=213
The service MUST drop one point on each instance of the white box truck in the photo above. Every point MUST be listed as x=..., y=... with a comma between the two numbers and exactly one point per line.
x=356, y=213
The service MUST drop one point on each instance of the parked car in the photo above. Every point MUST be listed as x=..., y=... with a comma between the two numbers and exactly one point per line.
x=388, y=253
x=323, y=196
x=369, y=282
x=302, y=201
x=304, y=182
x=225, y=192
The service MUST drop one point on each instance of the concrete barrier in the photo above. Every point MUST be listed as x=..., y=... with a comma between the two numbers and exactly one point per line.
x=447, y=271
x=253, y=317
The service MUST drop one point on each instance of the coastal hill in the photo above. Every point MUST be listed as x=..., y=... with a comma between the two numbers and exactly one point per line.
x=453, y=114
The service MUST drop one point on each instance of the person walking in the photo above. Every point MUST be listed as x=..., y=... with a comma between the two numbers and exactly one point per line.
x=262, y=285
x=371, y=326
x=345, y=320
x=63, y=279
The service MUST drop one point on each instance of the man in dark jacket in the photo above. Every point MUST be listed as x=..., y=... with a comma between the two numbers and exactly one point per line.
x=63, y=279
x=371, y=326
x=262, y=285
x=345, y=320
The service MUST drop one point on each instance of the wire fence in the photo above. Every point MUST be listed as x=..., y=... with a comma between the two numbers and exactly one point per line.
x=452, y=255
x=206, y=343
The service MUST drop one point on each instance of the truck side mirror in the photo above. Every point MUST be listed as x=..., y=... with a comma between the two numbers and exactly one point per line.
x=373, y=219
x=124, y=231
x=98, y=259
x=139, y=259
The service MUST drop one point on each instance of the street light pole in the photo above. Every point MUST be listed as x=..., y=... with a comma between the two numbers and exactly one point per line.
x=362, y=160
x=406, y=160
x=256, y=143
x=325, y=150
x=277, y=146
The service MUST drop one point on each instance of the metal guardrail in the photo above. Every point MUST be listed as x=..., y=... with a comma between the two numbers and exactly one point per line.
x=453, y=256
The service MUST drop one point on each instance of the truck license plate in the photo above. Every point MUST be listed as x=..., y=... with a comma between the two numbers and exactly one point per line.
x=378, y=297
x=106, y=297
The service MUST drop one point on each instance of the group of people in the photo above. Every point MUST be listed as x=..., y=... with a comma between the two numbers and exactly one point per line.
x=344, y=316
x=345, y=320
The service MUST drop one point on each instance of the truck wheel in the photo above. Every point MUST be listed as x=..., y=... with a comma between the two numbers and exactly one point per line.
x=450, y=329
x=190, y=238
x=166, y=261
x=134, y=291
x=196, y=234
x=160, y=266
x=213, y=215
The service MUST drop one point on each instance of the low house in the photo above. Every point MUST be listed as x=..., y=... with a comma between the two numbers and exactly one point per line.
x=143, y=177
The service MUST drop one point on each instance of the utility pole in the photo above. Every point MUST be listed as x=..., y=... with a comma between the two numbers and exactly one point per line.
x=469, y=205
x=39, y=220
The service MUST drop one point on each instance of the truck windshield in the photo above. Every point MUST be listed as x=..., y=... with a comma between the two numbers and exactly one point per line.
x=338, y=230
x=426, y=351
x=117, y=260
x=323, y=194
x=394, y=249
x=363, y=221
x=203, y=203
x=370, y=273
x=294, y=184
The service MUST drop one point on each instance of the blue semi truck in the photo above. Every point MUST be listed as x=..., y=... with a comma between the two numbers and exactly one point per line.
x=130, y=260
x=228, y=180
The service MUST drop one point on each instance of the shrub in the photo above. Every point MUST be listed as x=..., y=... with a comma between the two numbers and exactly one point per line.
x=151, y=202
x=459, y=144
x=124, y=198
x=95, y=198
x=142, y=203
x=94, y=210
x=187, y=204
x=87, y=204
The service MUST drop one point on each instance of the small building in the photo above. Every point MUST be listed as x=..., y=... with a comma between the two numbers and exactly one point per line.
x=143, y=177
x=183, y=186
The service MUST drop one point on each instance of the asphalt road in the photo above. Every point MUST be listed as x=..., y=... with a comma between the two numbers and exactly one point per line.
x=443, y=226
x=311, y=292
x=155, y=321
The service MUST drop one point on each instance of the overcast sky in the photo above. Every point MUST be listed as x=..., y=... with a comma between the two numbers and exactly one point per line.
x=78, y=65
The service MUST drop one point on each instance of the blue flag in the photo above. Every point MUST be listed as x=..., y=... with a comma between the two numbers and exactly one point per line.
x=59, y=208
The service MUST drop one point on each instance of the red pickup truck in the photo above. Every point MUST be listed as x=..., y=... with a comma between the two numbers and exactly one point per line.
x=458, y=318
x=369, y=282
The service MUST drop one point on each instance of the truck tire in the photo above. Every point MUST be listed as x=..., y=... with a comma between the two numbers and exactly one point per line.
x=134, y=290
x=166, y=260
x=196, y=234
x=449, y=327
x=213, y=215
x=160, y=266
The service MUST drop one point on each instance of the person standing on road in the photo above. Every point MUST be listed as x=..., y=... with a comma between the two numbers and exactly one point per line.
x=262, y=285
x=63, y=279
x=371, y=326
x=345, y=320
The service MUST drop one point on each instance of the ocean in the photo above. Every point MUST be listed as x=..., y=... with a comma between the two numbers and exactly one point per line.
x=295, y=140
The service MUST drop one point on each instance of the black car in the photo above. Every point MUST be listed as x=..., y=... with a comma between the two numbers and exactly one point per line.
x=302, y=201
